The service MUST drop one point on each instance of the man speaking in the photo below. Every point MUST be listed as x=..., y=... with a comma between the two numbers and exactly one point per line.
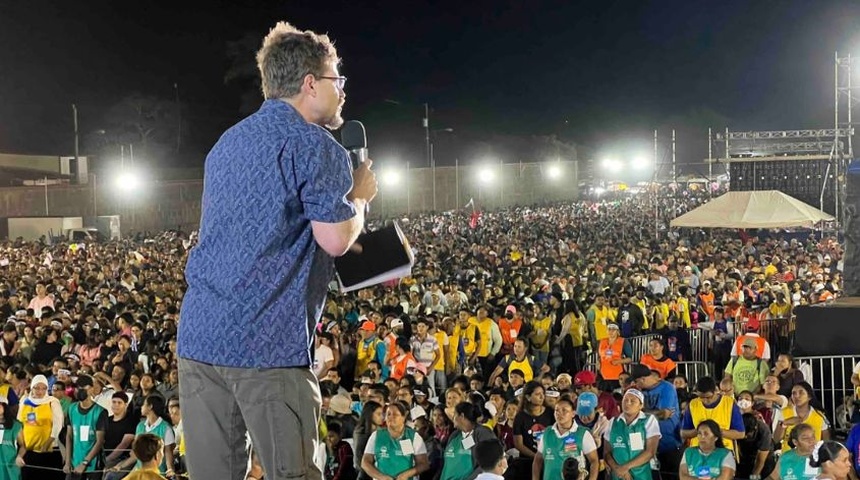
x=280, y=199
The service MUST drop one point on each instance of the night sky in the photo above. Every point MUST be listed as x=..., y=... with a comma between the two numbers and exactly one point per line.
x=602, y=75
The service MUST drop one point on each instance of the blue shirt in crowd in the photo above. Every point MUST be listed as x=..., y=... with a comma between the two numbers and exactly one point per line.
x=663, y=396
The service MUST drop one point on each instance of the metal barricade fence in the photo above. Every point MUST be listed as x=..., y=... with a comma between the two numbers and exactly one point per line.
x=831, y=379
x=700, y=340
x=639, y=344
x=693, y=371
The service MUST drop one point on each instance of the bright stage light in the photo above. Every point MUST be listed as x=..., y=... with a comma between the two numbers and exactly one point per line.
x=486, y=175
x=553, y=172
x=641, y=163
x=612, y=165
x=128, y=181
x=599, y=191
x=391, y=177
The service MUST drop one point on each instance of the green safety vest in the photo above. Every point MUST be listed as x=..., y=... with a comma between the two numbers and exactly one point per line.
x=557, y=449
x=457, y=463
x=9, y=450
x=705, y=466
x=795, y=467
x=623, y=437
x=390, y=459
x=84, y=433
x=159, y=430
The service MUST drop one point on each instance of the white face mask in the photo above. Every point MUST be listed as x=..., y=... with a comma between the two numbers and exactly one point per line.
x=744, y=403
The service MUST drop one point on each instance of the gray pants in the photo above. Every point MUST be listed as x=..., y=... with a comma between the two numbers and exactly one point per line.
x=278, y=407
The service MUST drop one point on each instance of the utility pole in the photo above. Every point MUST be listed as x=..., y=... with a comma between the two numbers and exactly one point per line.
x=77, y=142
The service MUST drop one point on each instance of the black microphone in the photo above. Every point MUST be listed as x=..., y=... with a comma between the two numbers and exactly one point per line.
x=354, y=139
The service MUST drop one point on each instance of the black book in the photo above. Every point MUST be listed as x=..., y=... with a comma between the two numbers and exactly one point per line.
x=385, y=255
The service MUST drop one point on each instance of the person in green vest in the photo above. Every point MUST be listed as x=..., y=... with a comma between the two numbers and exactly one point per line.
x=710, y=460
x=154, y=415
x=12, y=448
x=396, y=452
x=86, y=424
x=794, y=464
x=631, y=440
x=459, y=462
x=563, y=440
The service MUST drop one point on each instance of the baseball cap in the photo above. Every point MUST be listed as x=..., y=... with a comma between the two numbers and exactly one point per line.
x=636, y=393
x=749, y=342
x=396, y=322
x=612, y=326
x=565, y=376
x=584, y=377
x=587, y=404
x=368, y=326
x=511, y=309
x=552, y=392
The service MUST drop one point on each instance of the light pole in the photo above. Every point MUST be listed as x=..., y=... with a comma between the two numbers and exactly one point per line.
x=433, y=161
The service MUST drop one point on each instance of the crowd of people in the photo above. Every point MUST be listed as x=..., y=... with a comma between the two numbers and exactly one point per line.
x=514, y=330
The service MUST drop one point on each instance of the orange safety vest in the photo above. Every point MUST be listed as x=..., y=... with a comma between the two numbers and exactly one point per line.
x=731, y=312
x=707, y=301
x=609, y=352
x=664, y=367
x=398, y=368
x=510, y=330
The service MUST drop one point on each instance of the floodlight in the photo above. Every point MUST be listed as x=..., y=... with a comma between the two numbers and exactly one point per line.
x=553, y=172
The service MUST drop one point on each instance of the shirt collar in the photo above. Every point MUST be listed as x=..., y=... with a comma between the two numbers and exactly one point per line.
x=565, y=433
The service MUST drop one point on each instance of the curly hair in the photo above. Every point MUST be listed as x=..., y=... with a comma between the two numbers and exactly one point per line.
x=288, y=55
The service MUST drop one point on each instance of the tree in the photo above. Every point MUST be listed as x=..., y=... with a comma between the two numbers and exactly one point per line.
x=145, y=121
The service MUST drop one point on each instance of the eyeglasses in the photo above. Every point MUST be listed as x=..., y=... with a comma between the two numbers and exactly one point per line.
x=339, y=82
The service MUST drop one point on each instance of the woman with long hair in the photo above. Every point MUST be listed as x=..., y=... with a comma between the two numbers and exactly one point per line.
x=802, y=410
x=459, y=464
x=786, y=371
x=832, y=458
x=453, y=397
x=529, y=425
x=568, y=333
x=370, y=420
x=395, y=451
x=565, y=439
x=794, y=464
x=710, y=459
x=443, y=427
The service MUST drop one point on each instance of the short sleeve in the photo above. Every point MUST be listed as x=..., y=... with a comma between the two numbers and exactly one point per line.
x=608, y=430
x=418, y=445
x=652, y=428
x=588, y=444
x=324, y=179
x=169, y=436
x=765, y=439
x=729, y=461
x=687, y=423
x=371, y=444
x=857, y=368
x=519, y=428
x=540, y=445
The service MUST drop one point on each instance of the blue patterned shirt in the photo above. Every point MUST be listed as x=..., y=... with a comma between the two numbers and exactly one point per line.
x=257, y=280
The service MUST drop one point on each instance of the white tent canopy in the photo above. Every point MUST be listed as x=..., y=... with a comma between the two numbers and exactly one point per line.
x=763, y=209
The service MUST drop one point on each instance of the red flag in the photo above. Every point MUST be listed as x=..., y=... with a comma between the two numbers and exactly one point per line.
x=473, y=221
